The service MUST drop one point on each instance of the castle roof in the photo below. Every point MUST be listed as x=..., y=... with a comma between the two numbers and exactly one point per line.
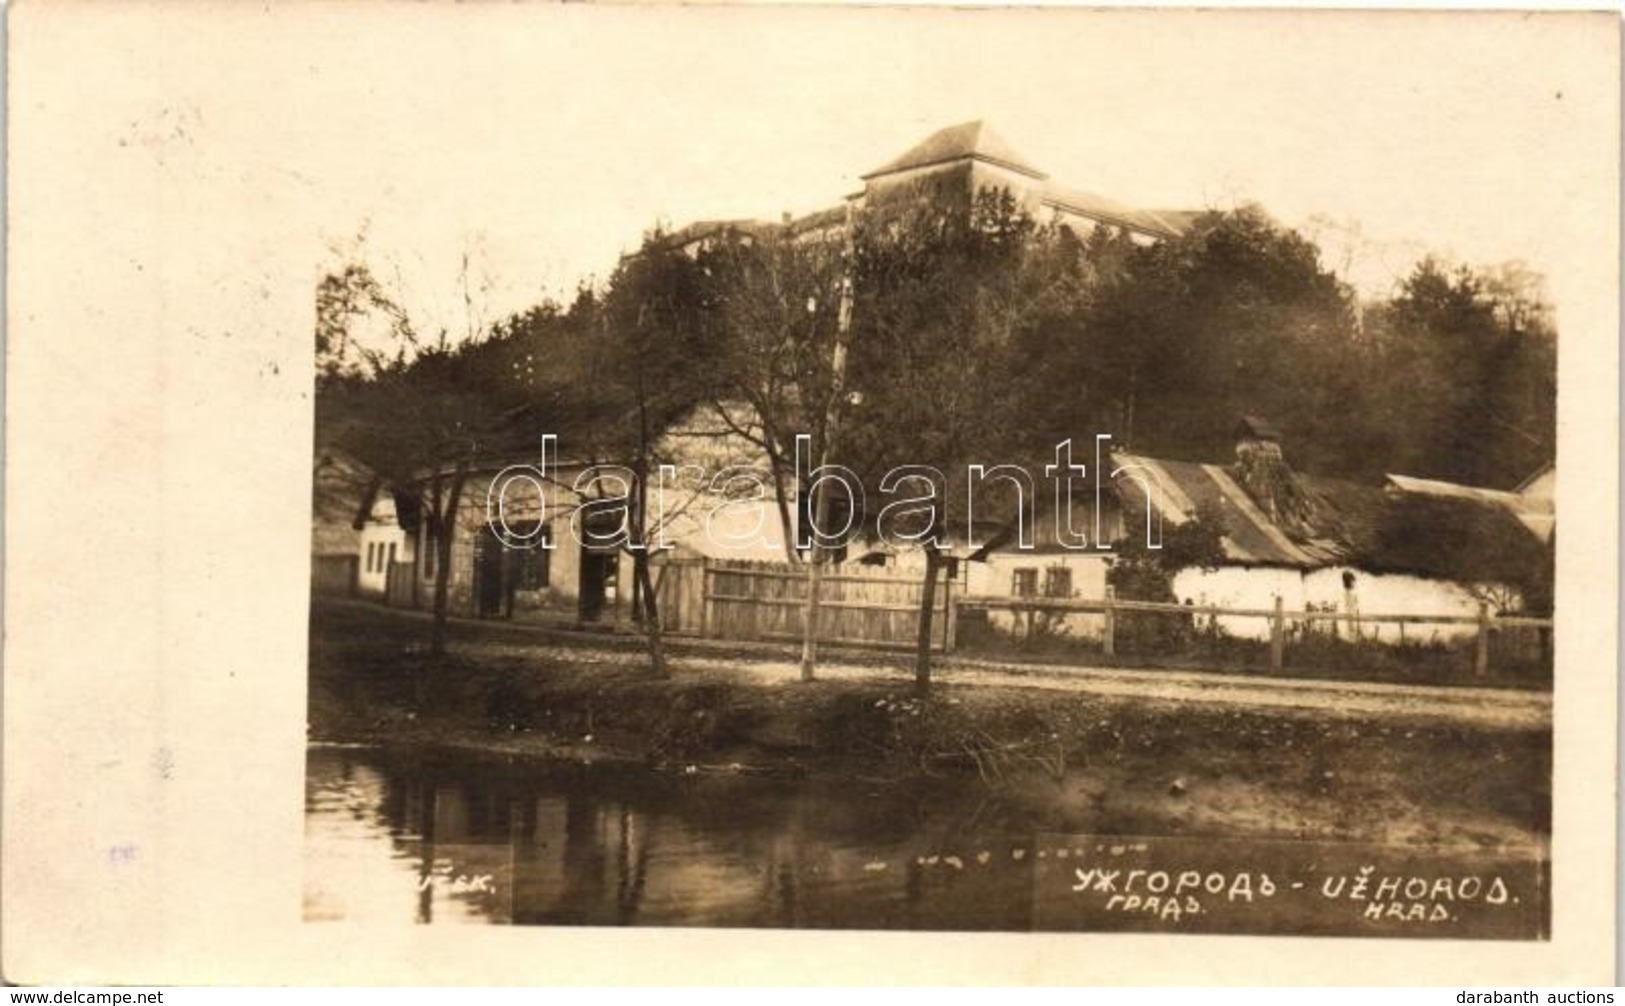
x=967, y=141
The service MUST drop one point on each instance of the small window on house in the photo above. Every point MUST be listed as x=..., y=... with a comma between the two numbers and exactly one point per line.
x=1058, y=581
x=389, y=563
x=372, y=551
x=1024, y=582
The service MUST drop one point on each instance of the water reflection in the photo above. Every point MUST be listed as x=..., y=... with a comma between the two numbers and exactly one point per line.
x=446, y=839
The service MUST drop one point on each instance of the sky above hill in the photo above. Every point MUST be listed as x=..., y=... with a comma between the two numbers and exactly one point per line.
x=541, y=141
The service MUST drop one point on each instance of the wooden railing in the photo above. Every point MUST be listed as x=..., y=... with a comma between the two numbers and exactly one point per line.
x=1485, y=623
x=767, y=601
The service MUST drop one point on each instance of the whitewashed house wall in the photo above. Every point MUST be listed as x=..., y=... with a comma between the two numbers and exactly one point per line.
x=1376, y=594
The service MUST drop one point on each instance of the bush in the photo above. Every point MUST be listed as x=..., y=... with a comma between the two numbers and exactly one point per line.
x=507, y=707
x=1139, y=573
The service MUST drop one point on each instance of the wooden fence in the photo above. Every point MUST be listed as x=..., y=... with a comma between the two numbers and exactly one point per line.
x=400, y=585
x=727, y=599
x=1485, y=625
x=334, y=575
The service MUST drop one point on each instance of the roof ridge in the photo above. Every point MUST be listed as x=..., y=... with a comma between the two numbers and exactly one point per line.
x=974, y=139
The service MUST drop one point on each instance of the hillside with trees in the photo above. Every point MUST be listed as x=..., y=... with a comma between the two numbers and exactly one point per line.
x=927, y=336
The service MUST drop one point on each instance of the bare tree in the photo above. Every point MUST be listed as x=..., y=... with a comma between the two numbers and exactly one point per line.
x=421, y=419
x=954, y=311
x=775, y=312
x=654, y=361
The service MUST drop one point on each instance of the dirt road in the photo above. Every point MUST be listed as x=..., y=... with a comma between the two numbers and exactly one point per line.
x=1481, y=707
x=1478, y=707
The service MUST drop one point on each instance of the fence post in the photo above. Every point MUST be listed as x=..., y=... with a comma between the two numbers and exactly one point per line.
x=1277, y=636
x=1108, y=635
x=1481, y=646
x=705, y=598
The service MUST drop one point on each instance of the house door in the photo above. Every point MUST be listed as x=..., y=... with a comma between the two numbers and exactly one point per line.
x=597, y=580
x=490, y=580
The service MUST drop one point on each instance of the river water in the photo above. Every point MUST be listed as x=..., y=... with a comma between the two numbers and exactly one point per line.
x=447, y=838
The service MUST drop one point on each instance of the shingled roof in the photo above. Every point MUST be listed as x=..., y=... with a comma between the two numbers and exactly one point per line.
x=1180, y=490
x=1382, y=530
x=1534, y=513
x=1451, y=538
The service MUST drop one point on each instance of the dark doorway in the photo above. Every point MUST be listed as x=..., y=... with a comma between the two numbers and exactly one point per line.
x=598, y=571
x=491, y=595
x=600, y=553
x=501, y=569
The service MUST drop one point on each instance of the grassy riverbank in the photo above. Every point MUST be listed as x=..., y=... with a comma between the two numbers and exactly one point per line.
x=1095, y=763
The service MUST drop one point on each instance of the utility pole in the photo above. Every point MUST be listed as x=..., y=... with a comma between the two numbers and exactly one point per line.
x=832, y=414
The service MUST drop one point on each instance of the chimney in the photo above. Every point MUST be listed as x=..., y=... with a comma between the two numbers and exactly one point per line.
x=1254, y=433
x=1262, y=471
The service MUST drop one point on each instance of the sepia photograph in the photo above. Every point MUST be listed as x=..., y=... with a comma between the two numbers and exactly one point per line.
x=952, y=473
x=971, y=540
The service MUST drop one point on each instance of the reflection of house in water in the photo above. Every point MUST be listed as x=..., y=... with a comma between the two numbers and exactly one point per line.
x=596, y=859
x=574, y=845
x=373, y=851
x=585, y=857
